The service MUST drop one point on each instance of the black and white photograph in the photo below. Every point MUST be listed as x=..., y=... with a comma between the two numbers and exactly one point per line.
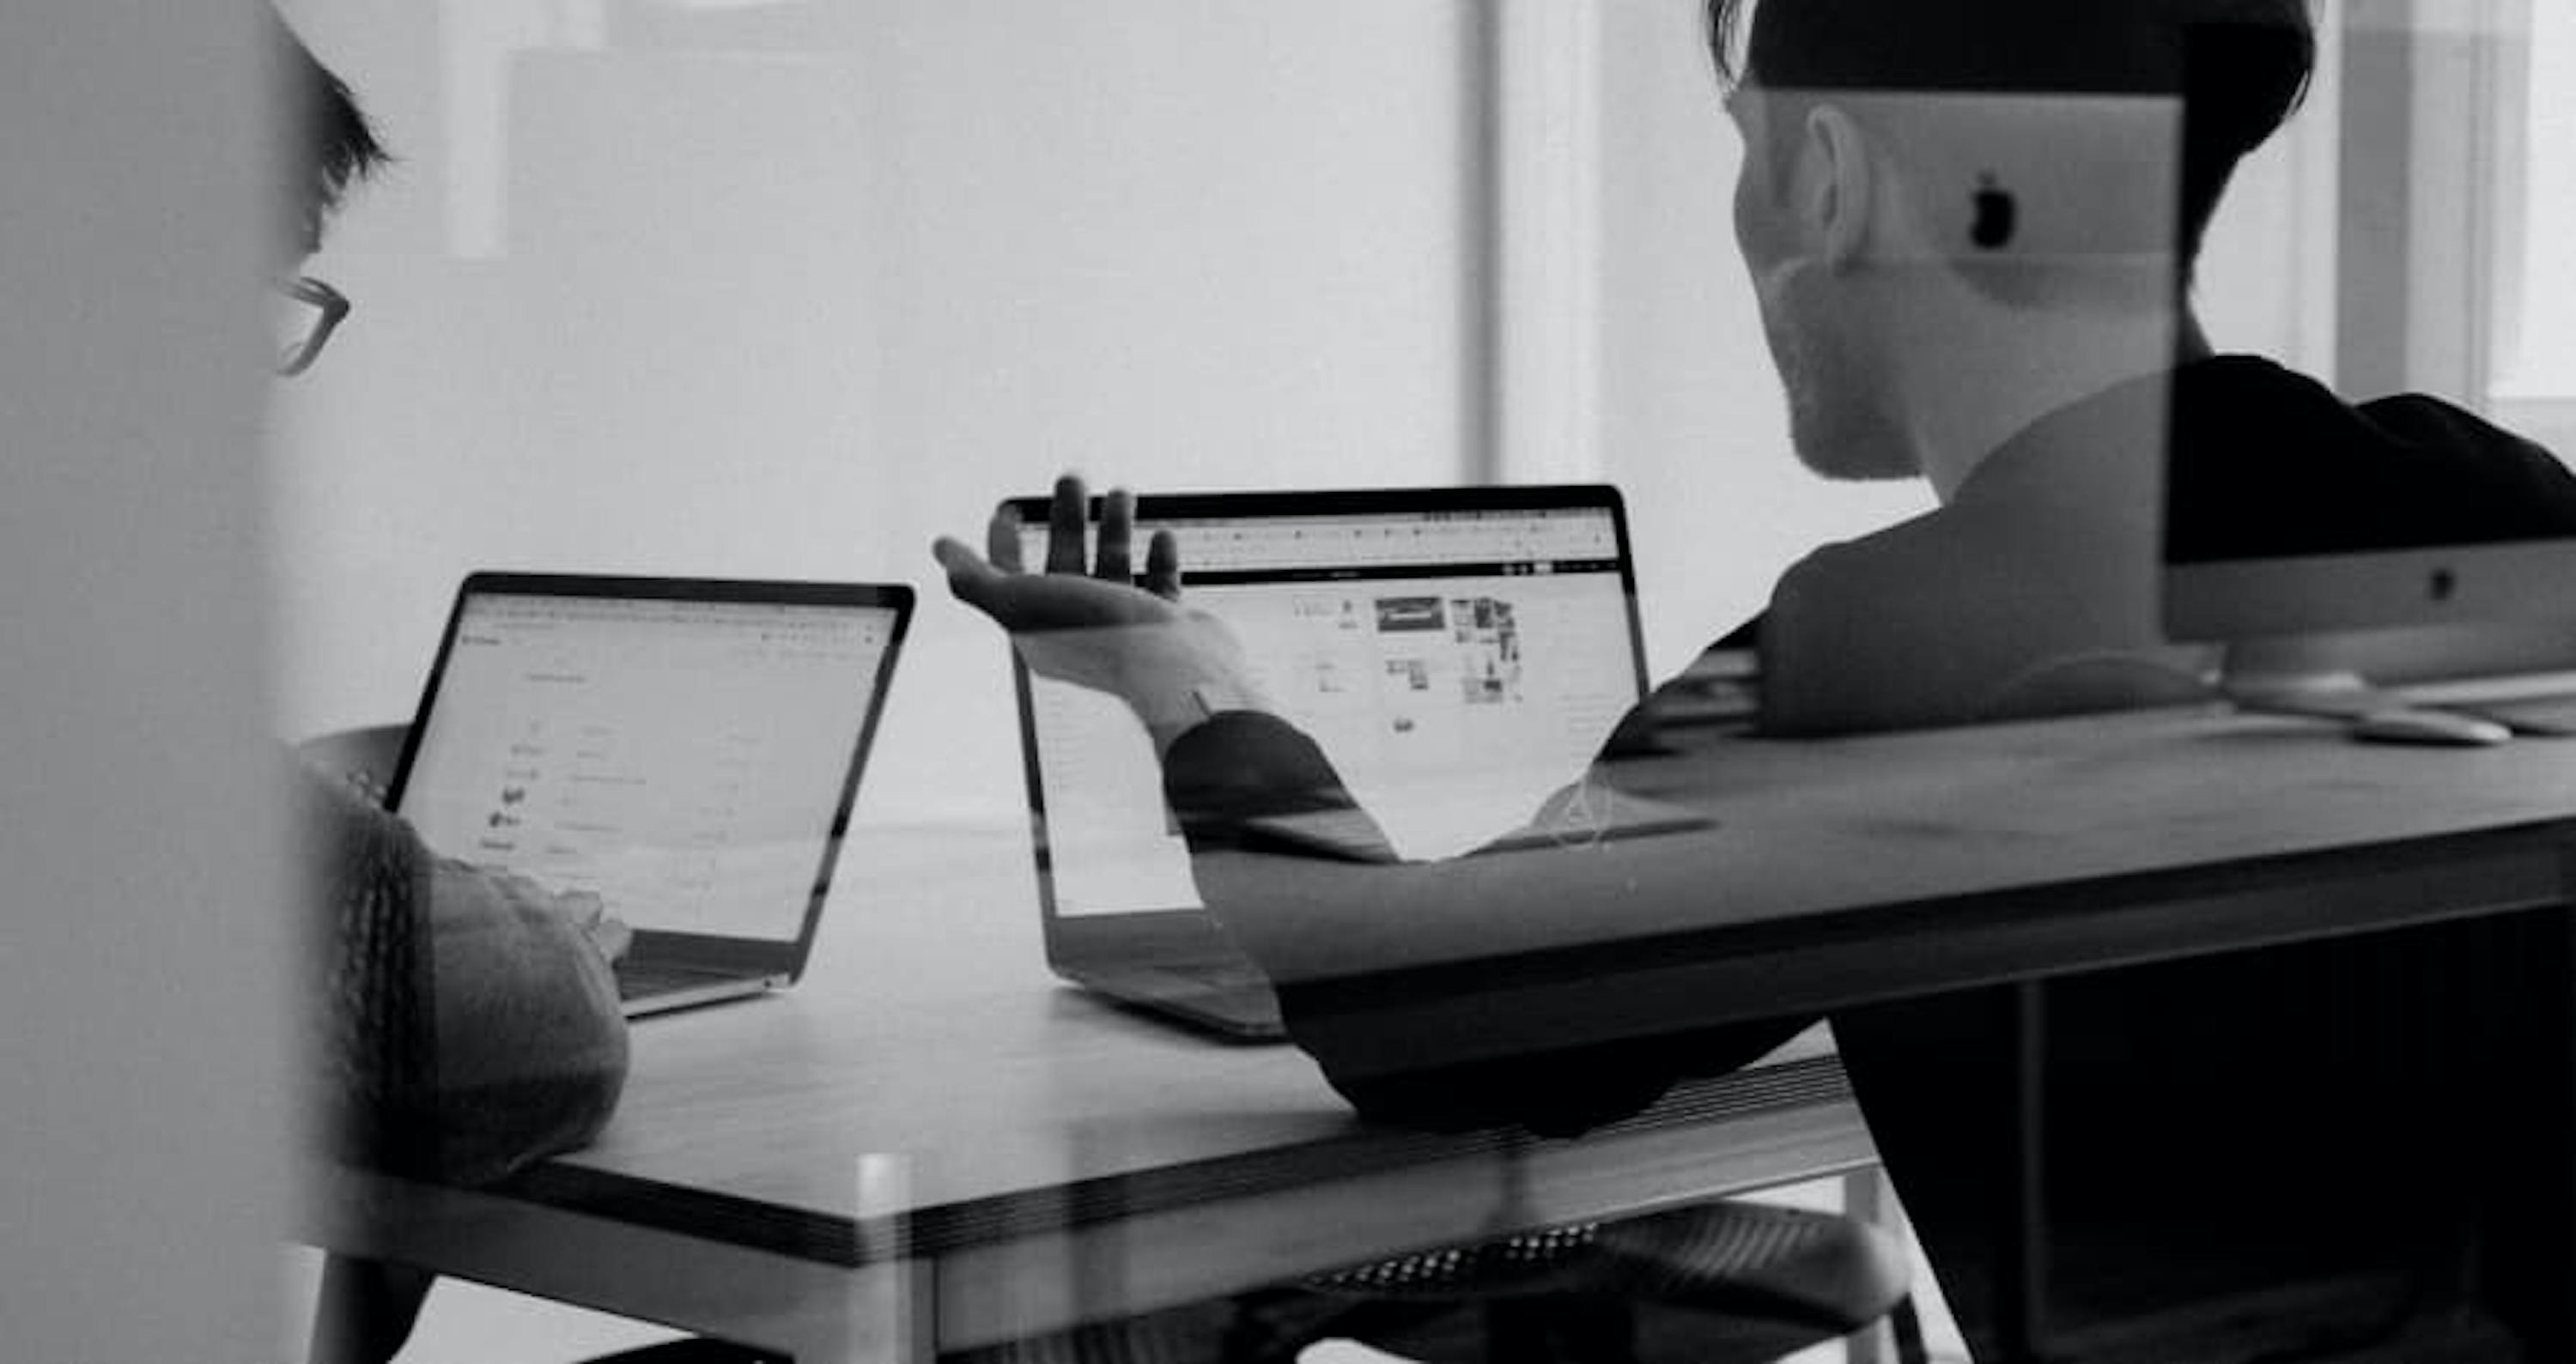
x=1288, y=682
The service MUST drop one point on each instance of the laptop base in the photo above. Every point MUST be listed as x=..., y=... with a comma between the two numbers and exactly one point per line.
x=715, y=990
x=1225, y=1006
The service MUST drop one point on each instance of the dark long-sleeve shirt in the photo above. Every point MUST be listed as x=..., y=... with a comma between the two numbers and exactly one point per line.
x=2181, y=1094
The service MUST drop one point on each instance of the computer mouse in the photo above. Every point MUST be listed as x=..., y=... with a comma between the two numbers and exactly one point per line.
x=2408, y=725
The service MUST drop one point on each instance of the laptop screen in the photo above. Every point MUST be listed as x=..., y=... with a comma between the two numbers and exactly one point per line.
x=1457, y=663
x=689, y=761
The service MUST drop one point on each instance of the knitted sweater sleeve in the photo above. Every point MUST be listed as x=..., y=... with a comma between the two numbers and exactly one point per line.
x=467, y=1026
x=371, y=1025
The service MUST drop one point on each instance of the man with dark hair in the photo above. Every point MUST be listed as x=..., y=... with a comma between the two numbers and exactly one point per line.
x=2268, y=56
x=331, y=145
x=2218, y=1129
x=2040, y=397
x=465, y=1023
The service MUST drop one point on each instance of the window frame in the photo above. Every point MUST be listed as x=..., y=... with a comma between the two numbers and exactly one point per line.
x=2438, y=202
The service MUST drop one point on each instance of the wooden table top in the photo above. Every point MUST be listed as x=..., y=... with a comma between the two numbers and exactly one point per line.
x=930, y=1065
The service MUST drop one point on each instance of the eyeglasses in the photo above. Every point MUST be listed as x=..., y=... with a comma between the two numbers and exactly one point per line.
x=304, y=311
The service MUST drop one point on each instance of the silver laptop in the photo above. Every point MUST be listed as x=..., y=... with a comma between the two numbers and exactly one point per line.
x=687, y=750
x=1460, y=653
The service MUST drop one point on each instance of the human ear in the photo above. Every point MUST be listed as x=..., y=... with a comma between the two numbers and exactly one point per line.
x=1838, y=192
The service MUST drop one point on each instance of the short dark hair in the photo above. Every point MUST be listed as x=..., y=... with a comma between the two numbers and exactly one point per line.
x=2242, y=65
x=331, y=144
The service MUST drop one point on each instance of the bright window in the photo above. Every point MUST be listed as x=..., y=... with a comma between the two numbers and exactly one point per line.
x=2535, y=341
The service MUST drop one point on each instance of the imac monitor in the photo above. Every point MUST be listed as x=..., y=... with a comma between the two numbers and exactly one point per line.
x=2409, y=537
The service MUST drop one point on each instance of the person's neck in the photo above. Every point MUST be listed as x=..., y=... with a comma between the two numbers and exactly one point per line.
x=1984, y=380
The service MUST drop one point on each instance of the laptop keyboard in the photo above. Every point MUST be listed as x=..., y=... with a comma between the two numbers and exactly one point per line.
x=640, y=981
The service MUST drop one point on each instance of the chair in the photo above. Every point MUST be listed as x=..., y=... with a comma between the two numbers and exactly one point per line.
x=1710, y=1283
x=363, y=757
x=1724, y=1282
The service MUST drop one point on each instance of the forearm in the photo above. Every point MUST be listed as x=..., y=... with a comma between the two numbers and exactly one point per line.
x=1308, y=922
x=1224, y=774
x=532, y=1046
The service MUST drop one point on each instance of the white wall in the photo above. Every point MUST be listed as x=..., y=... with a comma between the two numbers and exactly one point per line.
x=141, y=1158
x=790, y=289
x=2266, y=280
x=787, y=290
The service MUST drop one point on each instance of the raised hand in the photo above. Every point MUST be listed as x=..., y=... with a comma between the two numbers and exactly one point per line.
x=1068, y=595
x=1091, y=625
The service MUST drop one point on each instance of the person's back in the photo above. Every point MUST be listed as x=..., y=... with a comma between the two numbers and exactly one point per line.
x=2231, y=1125
x=2215, y=1127
x=2030, y=592
x=2034, y=590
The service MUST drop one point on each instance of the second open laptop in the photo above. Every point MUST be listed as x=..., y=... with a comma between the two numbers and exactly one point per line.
x=686, y=749
x=1458, y=652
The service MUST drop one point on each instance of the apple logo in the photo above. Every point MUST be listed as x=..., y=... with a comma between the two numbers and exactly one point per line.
x=1992, y=227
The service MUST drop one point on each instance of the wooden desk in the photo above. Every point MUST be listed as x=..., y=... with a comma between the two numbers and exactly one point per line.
x=931, y=1141
x=1844, y=871
x=1059, y=1161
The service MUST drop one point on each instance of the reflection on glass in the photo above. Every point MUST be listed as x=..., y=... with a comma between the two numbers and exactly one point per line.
x=1403, y=682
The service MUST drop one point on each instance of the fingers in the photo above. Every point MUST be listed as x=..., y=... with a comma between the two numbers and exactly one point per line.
x=1163, y=566
x=985, y=581
x=1116, y=561
x=970, y=579
x=1067, y=514
x=1002, y=539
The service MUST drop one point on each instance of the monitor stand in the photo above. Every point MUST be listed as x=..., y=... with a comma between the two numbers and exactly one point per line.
x=2299, y=676
x=2316, y=678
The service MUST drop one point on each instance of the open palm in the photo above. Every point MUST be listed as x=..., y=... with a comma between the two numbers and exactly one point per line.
x=1091, y=624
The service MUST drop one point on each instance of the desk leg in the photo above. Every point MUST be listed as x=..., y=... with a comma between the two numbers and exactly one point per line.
x=365, y=1310
x=2559, y=1261
x=2528, y=1222
x=2023, y=1292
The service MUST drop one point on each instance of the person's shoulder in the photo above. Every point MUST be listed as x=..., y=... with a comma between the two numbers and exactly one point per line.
x=1861, y=634
x=2424, y=420
x=329, y=807
x=353, y=845
x=2266, y=397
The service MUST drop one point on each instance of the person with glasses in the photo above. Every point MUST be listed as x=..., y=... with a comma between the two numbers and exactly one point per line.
x=465, y=1022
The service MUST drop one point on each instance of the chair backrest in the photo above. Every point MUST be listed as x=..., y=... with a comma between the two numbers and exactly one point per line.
x=364, y=757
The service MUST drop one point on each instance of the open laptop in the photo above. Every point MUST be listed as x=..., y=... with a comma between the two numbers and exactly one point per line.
x=688, y=750
x=1460, y=653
